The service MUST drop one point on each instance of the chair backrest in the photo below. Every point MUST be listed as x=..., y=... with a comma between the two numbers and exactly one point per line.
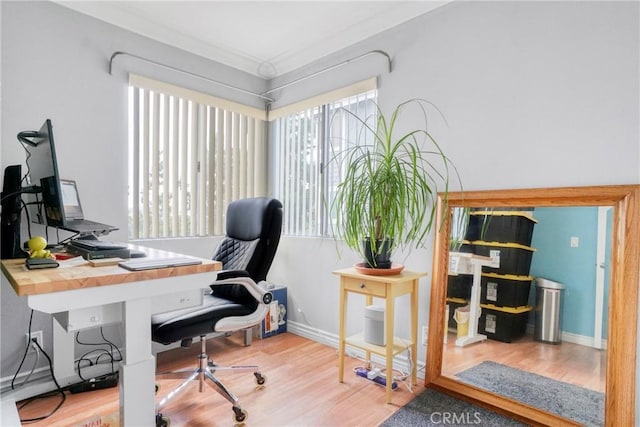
x=253, y=233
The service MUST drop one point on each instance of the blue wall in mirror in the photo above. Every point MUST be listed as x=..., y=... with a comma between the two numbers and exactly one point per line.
x=575, y=267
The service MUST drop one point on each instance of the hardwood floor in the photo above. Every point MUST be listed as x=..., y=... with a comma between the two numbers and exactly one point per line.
x=302, y=387
x=301, y=390
x=571, y=363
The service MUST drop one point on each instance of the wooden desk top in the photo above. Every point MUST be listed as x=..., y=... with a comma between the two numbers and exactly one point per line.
x=76, y=273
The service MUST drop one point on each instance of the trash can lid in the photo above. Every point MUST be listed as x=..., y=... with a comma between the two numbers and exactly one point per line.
x=548, y=284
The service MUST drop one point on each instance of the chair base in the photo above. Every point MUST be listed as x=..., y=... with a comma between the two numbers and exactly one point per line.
x=205, y=371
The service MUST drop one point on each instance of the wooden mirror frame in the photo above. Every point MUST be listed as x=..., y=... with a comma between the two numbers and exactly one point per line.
x=623, y=299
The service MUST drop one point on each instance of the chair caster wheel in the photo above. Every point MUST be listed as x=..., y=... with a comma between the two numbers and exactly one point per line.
x=162, y=421
x=260, y=379
x=239, y=415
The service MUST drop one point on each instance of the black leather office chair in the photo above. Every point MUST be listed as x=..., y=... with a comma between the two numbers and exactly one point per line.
x=238, y=300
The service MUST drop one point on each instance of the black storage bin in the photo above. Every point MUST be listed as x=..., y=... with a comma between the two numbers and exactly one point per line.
x=504, y=324
x=514, y=258
x=501, y=226
x=454, y=303
x=465, y=246
x=459, y=286
x=505, y=290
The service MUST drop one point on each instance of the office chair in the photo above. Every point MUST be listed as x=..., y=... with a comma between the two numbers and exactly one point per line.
x=237, y=300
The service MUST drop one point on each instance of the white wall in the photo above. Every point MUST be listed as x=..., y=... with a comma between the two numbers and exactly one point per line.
x=55, y=65
x=536, y=94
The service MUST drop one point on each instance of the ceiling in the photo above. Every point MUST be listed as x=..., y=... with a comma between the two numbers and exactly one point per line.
x=264, y=38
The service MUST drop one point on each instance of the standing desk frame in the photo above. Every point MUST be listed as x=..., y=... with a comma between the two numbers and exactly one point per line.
x=80, y=296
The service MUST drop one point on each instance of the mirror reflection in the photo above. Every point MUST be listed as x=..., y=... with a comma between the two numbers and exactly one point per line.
x=526, y=305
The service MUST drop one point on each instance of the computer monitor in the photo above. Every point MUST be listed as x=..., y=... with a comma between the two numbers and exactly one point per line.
x=42, y=171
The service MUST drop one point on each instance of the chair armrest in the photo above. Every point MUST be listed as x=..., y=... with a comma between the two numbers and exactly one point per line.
x=229, y=274
x=257, y=291
x=241, y=277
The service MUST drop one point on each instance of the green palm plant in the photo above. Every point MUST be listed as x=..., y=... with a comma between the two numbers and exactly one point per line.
x=391, y=177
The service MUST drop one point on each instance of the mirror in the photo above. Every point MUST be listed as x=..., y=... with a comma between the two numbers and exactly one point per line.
x=623, y=295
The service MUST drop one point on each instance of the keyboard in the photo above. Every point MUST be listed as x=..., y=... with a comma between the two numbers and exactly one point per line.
x=153, y=263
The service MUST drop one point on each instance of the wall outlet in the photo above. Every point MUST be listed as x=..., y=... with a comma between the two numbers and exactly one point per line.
x=425, y=334
x=37, y=335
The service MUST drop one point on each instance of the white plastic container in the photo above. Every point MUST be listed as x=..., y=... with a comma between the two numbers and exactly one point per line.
x=374, y=328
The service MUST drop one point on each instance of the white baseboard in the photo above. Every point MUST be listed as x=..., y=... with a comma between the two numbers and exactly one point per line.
x=581, y=340
x=400, y=362
x=572, y=338
x=41, y=381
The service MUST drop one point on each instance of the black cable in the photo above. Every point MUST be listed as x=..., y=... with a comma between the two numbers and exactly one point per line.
x=26, y=160
x=113, y=346
x=33, y=189
x=26, y=212
x=82, y=359
x=58, y=390
x=43, y=396
x=68, y=239
x=105, y=352
x=106, y=342
x=24, y=356
x=25, y=137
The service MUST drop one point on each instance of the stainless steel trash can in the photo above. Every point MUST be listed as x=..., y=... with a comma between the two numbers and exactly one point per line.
x=548, y=319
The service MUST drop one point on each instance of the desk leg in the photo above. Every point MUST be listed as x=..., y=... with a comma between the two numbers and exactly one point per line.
x=343, y=330
x=414, y=332
x=63, y=353
x=137, y=370
x=390, y=304
x=368, y=300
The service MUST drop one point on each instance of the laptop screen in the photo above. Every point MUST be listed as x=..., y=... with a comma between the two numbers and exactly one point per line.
x=70, y=200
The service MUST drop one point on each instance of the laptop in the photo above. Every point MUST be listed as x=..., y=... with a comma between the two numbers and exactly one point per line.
x=72, y=215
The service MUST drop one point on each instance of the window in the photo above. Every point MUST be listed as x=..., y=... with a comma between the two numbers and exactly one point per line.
x=190, y=155
x=306, y=179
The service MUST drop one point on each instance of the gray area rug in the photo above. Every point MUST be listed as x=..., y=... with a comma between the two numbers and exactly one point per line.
x=570, y=401
x=432, y=408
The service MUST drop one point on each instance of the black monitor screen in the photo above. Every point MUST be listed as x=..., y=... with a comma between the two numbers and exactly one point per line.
x=42, y=169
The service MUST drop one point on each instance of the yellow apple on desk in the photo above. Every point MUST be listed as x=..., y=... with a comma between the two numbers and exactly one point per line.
x=37, y=247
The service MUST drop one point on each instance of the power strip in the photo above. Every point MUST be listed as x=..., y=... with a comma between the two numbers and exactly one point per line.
x=98, y=383
x=378, y=379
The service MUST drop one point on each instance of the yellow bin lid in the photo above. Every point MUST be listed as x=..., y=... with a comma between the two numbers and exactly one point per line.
x=508, y=277
x=525, y=214
x=503, y=245
x=512, y=310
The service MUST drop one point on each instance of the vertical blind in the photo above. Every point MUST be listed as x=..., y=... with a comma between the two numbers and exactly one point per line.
x=190, y=155
x=308, y=163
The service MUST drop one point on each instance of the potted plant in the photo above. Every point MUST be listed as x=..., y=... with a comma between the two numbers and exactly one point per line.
x=391, y=174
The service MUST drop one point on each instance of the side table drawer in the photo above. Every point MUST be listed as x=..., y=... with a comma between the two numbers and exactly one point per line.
x=362, y=286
